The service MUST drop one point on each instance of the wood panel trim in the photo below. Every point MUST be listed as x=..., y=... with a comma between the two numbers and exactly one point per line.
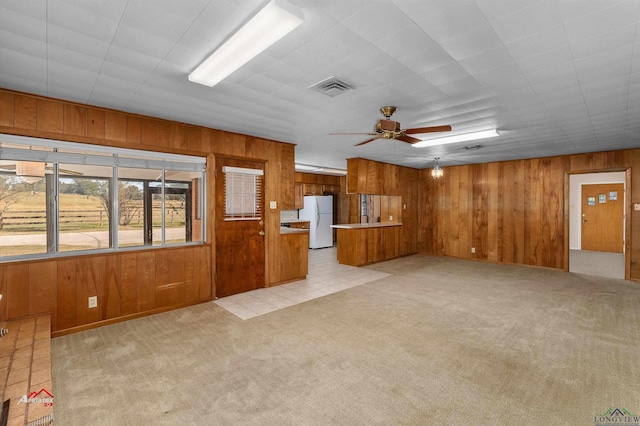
x=123, y=318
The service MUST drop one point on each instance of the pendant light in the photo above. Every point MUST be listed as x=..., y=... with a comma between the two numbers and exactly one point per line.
x=437, y=172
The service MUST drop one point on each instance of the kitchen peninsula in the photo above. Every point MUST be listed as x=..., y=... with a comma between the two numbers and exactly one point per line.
x=362, y=244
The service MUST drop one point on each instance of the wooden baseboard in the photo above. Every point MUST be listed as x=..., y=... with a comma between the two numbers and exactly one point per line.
x=110, y=321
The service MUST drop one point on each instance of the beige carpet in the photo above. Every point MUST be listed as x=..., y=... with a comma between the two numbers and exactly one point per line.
x=441, y=342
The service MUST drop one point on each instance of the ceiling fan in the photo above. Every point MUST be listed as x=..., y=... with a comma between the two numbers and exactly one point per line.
x=389, y=129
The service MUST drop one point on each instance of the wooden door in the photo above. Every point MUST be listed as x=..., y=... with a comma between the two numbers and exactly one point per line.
x=239, y=235
x=603, y=217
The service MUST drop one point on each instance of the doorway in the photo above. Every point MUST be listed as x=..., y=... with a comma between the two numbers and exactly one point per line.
x=597, y=224
x=239, y=226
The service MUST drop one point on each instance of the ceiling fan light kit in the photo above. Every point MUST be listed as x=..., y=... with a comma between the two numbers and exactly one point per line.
x=270, y=24
x=457, y=138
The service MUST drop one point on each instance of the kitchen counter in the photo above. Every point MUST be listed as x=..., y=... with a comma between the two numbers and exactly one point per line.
x=286, y=230
x=366, y=225
x=294, y=226
x=294, y=221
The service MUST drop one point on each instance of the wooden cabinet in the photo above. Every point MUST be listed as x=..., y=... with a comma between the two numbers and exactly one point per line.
x=294, y=256
x=298, y=196
x=330, y=189
x=364, y=246
x=373, y=177
x=315, y=184
x=311, y=189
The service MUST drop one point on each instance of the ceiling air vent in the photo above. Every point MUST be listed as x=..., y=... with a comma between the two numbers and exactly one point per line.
x=331, y=86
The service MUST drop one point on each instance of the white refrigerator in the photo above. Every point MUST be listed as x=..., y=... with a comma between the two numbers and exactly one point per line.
x=318, y=210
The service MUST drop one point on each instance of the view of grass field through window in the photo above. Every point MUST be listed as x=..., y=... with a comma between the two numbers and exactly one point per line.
x=83, y=216
x=58, y=197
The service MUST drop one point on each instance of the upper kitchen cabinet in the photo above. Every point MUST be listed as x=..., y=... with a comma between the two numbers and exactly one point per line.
x=316, y=184
x=372, y=177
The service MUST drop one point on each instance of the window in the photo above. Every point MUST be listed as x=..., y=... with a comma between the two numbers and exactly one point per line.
x=242, y=193
x=58, y=197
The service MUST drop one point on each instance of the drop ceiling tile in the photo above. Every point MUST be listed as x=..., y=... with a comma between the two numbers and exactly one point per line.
x=141, y=42
x=377, y=21
x=613, y=40
x=20, y=43
x=452, y=71
x=81, y=21
x=539, y=16
x=537, y=43
x=391, y=72
x=368, y=58
x=428, y=59
x=315, y=53
x=74, y=59
x=486, y=60
x=32, y=68
x=27, y=22
x=156, y=20
x=495, y=9
x=607, y=84
x=405, y=42
x=341, y=10
x=64, y=40
x=605, y=20
x=131, y=59
x=111, y=9
x=552, y=58
x=594, y=72
x=501, y=77
x=453, y=21
x=472, y=43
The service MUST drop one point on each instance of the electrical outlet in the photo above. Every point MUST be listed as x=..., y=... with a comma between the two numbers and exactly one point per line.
x=473, y=249
x=93, y=302
x=390, y=218
x=273, y=205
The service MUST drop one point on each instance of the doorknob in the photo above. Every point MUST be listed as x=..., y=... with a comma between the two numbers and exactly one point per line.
x=261, y=233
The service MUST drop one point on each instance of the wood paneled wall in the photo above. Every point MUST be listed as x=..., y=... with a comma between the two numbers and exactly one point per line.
x=126, y=284
x=514, y=211
x=148, y=274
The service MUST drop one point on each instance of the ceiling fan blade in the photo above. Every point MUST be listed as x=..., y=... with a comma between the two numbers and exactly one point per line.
x=428, y=130
x=408, y=139
x=367, y=141
x=371, y=134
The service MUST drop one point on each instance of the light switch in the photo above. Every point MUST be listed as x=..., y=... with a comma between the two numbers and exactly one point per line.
x=636, y=206
x=273, y=205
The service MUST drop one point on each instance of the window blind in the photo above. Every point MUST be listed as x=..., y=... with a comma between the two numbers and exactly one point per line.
x=242, y=193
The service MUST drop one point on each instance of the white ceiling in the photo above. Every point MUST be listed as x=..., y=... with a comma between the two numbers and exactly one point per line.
x=553, y=76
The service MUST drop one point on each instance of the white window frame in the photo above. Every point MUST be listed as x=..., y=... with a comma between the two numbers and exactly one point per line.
x=102, y=156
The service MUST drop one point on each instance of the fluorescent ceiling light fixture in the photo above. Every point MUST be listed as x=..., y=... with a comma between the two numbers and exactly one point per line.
x=273, y=22
x=319, y=169
x=457, y=138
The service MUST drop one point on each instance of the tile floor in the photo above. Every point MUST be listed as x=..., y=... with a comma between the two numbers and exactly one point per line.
x=325, y=276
